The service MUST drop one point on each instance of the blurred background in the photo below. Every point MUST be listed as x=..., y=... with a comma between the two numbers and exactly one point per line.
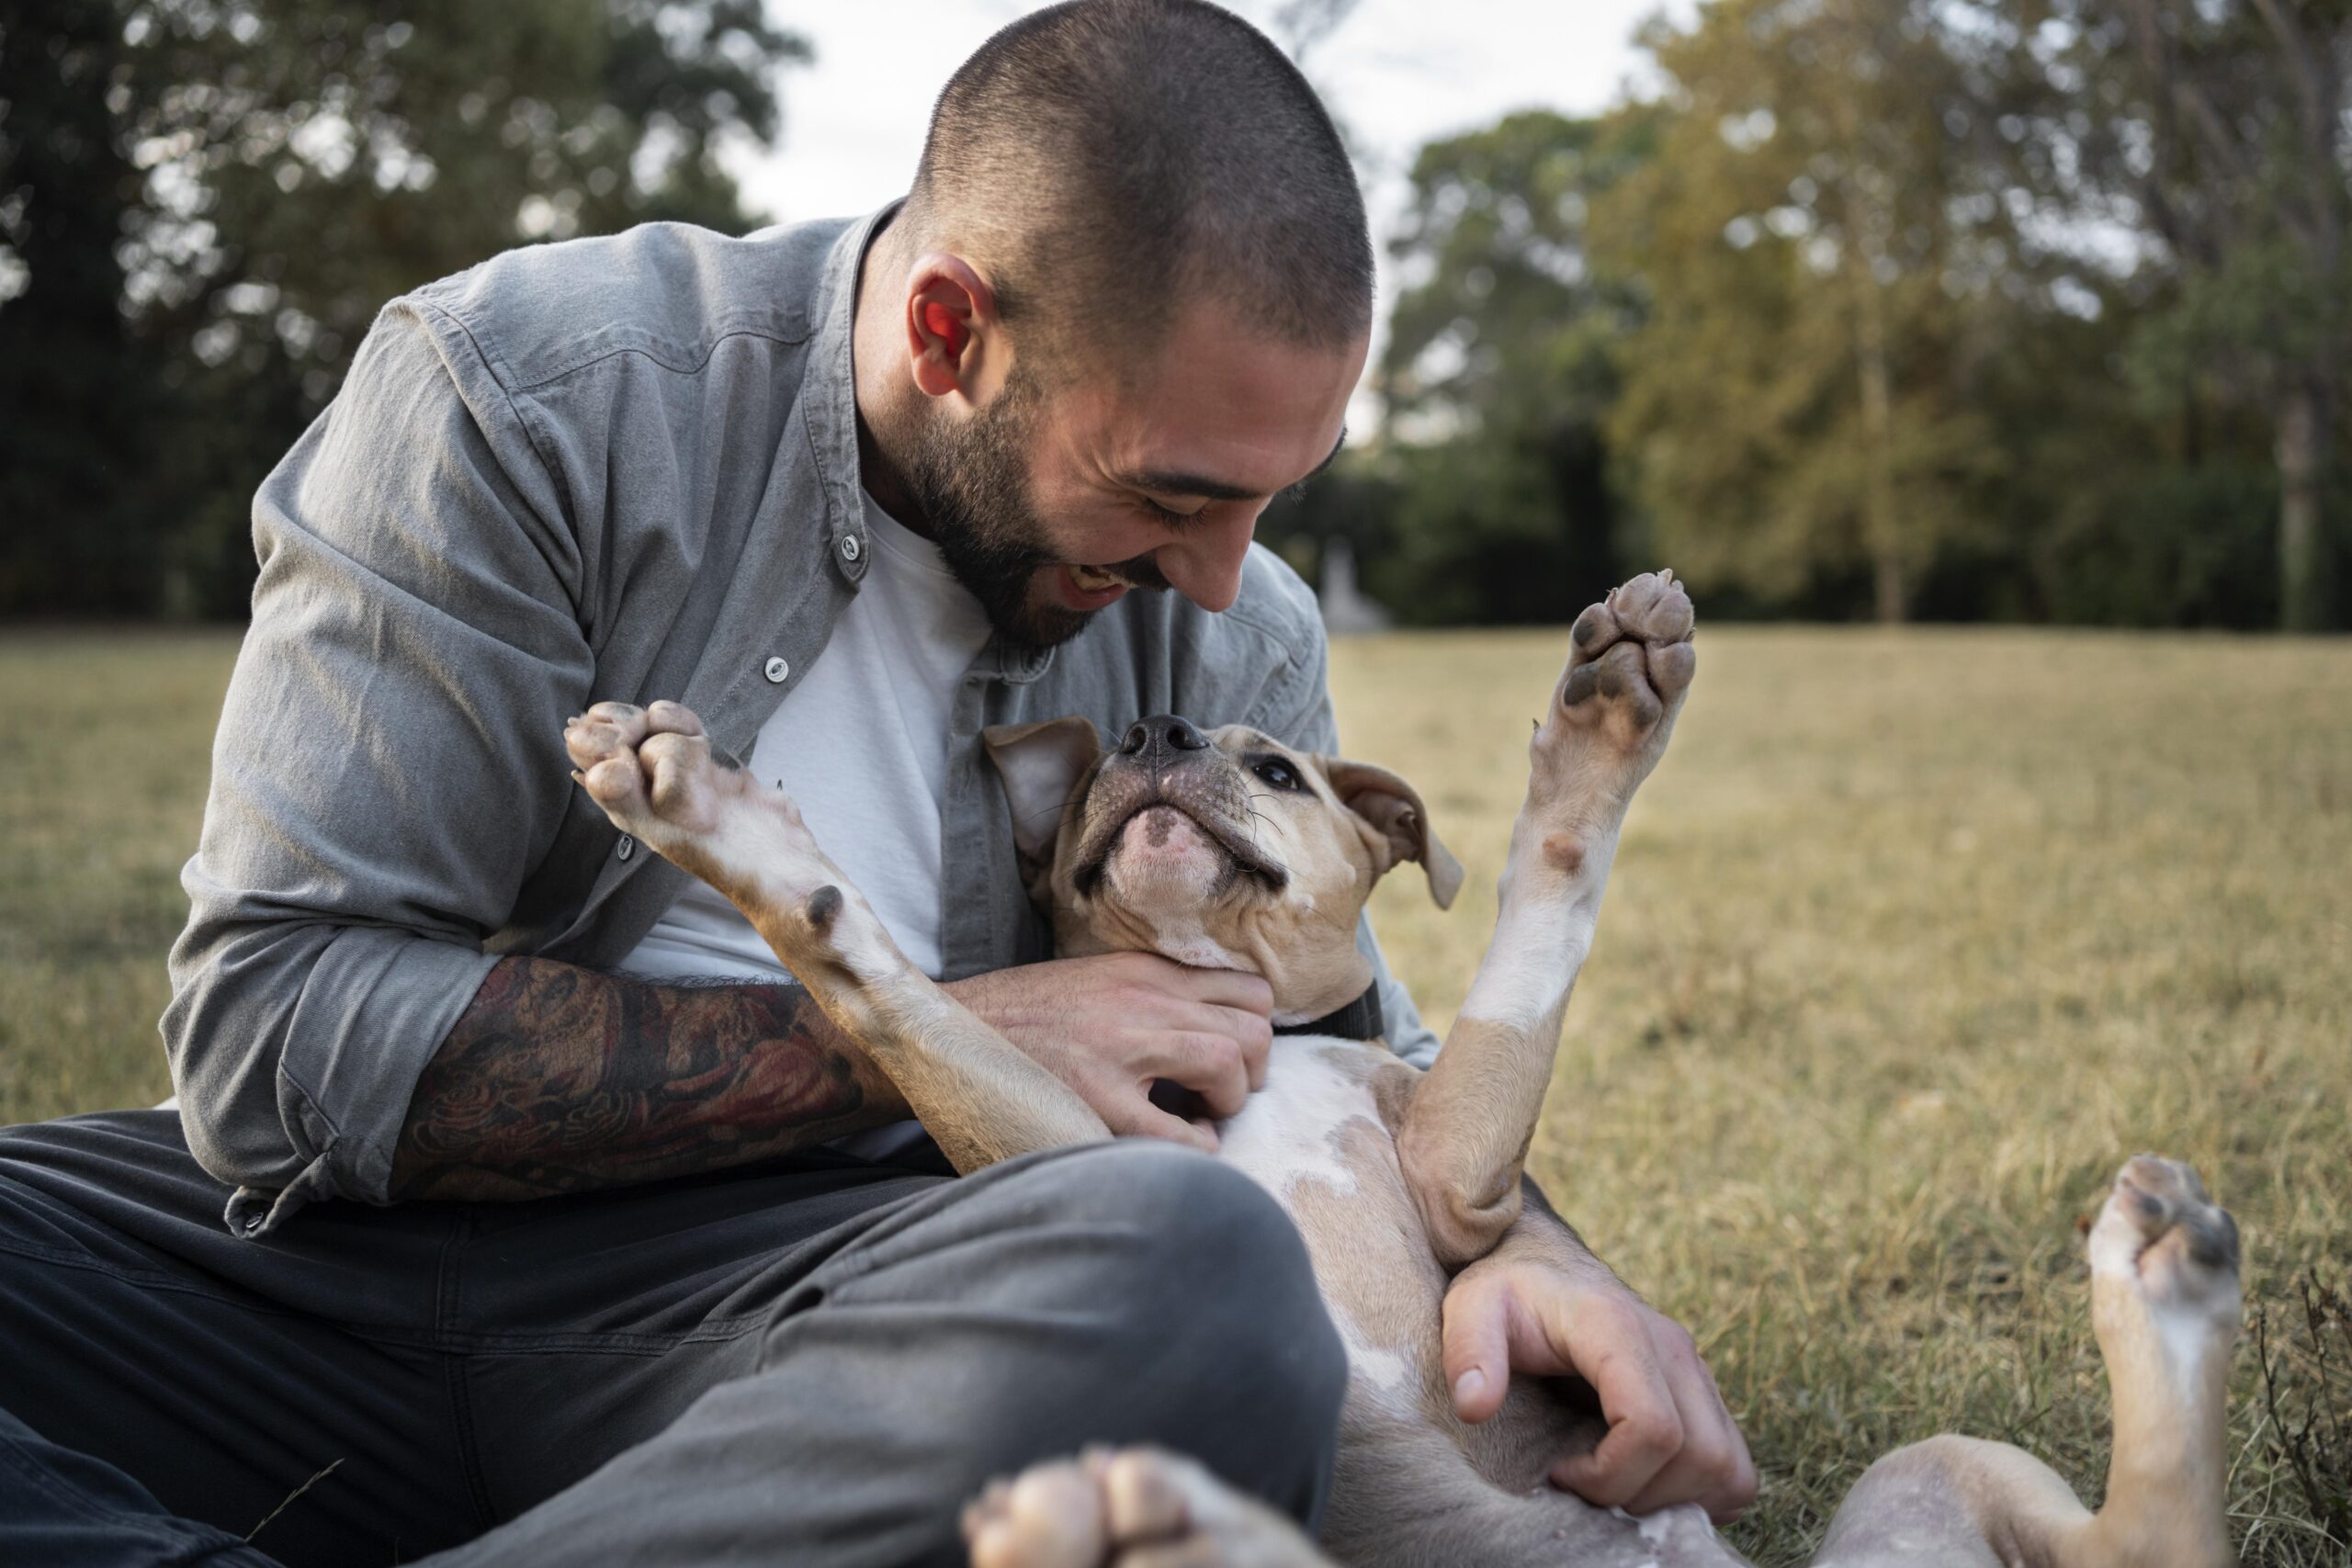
x=2019, y=311
x=1850, y=311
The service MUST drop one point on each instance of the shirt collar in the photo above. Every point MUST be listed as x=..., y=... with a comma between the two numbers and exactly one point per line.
x=830, y=397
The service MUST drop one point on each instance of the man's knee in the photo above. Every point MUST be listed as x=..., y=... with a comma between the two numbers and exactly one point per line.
x=1217, y=1240
x=1216, y=1283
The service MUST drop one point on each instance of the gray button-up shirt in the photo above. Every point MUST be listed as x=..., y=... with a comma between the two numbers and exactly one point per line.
x=621, y=467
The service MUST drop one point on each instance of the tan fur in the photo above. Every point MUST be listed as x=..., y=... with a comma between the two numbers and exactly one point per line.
x=1396, y=1180
x=982, y=1099
x=1332, y=840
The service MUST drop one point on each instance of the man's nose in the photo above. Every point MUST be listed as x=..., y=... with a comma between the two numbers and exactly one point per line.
x=1159, y=737
x=1206, y=566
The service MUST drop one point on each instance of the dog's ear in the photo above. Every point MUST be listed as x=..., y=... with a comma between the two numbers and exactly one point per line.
x=1041, y=765
x=1391, y=809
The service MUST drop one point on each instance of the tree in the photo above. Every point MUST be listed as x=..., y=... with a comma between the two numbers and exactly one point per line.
x=300, y=161
x=72, y=381
x=1824, y=256
x=2226, y=127
x=1497, y=370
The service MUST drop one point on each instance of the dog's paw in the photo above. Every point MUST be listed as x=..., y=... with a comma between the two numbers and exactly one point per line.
x=1126, y=1509
x=1629, y=667
x=1631, y=663
x=651, y=770
x=2164, y=1236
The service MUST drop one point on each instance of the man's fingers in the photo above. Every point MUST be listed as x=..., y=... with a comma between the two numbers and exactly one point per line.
x=1251, y=1032
x=1227, y=988
x=1476, y=1339
x=1644, y=1425
x=1208, y=1065
x=1142, y=1119
x=1714, y=1470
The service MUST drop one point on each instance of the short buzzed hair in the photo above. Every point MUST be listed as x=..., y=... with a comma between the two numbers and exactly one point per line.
x=1107, y=159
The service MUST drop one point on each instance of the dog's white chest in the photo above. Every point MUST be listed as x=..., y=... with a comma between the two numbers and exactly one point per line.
x=1314, y=1137
x=1290, y=1130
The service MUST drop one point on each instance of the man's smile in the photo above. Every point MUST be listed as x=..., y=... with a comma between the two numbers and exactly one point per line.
x=1091, y=587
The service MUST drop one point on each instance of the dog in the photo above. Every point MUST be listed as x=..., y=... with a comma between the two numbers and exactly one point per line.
x=1228, y=849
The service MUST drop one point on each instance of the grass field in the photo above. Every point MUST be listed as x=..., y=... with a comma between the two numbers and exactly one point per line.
x=1912, y=938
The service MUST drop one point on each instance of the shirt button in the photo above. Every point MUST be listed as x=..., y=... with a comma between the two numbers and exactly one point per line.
x=777, y=668
x=850, y=546
x=628, y=847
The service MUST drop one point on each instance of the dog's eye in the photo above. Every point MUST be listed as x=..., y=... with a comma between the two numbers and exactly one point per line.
x=1277, y=772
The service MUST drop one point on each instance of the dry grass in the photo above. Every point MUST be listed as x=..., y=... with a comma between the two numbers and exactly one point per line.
x=1911, y=941
x=1912, y=938
x=101, y=799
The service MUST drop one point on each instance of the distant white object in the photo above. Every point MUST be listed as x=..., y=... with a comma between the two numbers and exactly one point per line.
x=1346, y=611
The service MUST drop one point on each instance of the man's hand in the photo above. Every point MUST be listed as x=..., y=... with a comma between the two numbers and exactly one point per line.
x=1553, y=1312
x=1111, y=1025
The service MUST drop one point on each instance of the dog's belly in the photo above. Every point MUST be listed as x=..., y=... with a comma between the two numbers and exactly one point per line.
x=1315, y=1139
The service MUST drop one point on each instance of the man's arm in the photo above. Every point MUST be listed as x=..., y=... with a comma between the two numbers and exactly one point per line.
x=1542, y=1305
x=562, y=1079
x=379, y=790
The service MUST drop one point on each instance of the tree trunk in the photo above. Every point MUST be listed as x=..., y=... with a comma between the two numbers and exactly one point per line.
x=1882, y=531
x=2306, y=575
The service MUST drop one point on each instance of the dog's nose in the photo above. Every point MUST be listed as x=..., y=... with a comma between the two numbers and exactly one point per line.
x=1160, y=733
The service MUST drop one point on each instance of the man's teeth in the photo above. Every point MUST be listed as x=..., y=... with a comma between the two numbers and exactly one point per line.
x=1095, y=578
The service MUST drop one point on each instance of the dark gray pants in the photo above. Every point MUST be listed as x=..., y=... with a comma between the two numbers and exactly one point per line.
x=813, y=1362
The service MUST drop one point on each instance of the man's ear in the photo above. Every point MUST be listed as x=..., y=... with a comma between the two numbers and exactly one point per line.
x=1040, y=765
x=952, y=326
x=1394, y=812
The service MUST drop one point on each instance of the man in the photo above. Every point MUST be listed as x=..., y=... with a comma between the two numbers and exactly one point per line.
x=635, y=1259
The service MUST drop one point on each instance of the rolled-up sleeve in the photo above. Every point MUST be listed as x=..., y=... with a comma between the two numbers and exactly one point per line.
x=384, y=776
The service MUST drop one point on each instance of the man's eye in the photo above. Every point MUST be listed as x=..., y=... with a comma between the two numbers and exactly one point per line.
x=1278, y=773
x=1165, y=514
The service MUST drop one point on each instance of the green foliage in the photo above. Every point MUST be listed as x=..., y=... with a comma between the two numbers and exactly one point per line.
x=1819, y=266
x=1499, y=371
x=1865, y=315
x=74, y=386
x=2229, y=124
x=284, y=166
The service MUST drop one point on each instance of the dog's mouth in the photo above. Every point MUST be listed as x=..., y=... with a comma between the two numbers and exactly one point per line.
x=1240, y=852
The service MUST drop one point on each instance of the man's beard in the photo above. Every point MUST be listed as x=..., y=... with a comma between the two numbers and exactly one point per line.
x=971, y=481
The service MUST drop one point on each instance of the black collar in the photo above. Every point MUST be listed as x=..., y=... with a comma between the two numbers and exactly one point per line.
x=1360, y=1019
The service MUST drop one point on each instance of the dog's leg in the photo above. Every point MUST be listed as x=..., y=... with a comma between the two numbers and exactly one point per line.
x=653, y=773
x=1135, y=1508
x=1466, y=1135
x=2165, y=1303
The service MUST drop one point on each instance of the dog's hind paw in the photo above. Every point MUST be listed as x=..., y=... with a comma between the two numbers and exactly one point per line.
x=1132, y=1507
x=2160, y=1233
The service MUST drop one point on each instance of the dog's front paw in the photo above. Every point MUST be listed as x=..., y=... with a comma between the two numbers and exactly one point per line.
x=1631, y=664
x=1629, y=667
x=651, y=769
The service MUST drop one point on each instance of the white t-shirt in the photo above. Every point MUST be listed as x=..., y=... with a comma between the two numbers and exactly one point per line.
x=860, y=745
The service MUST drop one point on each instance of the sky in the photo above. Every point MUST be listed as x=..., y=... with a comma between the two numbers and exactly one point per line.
x=1397, y=74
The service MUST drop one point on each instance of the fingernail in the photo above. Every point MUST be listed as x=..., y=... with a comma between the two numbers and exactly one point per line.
x=1466, y=1386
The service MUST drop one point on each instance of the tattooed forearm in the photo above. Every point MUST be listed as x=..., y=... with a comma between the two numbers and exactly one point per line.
x=559, y=1079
